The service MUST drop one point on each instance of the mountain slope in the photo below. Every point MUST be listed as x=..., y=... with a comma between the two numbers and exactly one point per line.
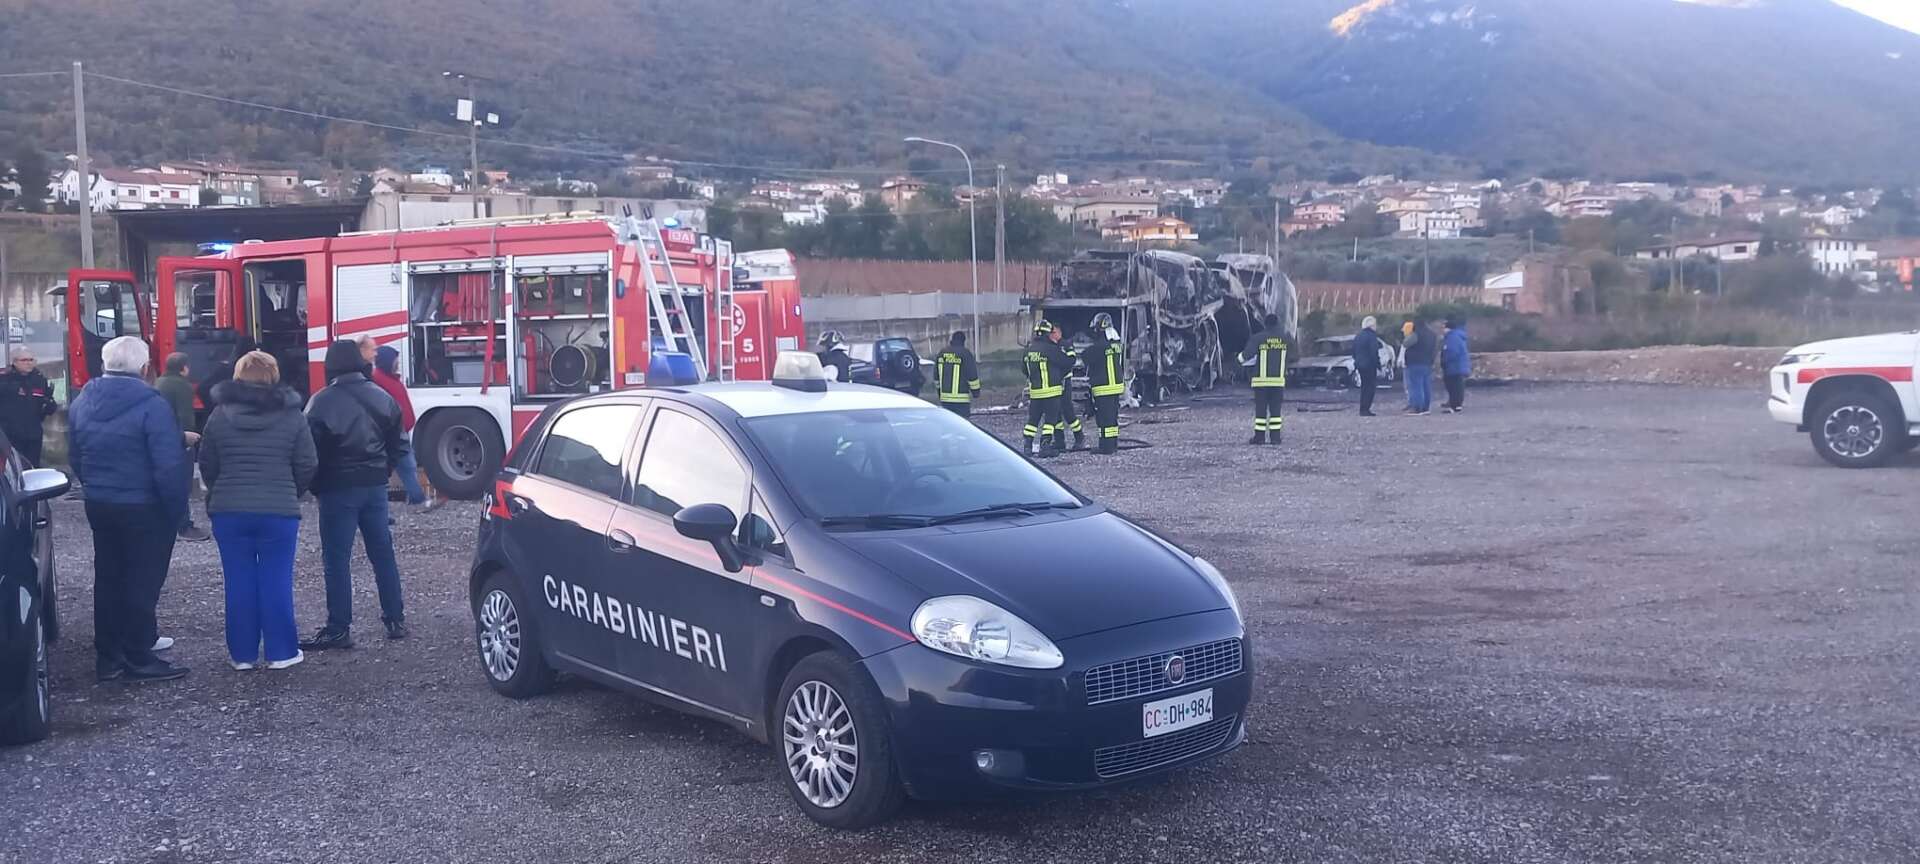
x=1787, y=89
x=824, y=82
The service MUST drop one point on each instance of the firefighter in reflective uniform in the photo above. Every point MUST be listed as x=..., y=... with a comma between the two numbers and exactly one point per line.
x=958, y=375
x=1046, y=367
x=1104, y=360
x=1069, y=418
x=1268, y=350
x=833, y=355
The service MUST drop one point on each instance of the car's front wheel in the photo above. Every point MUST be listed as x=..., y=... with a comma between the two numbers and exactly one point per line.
x=33, y=716
x=834, y=741
x=1858, y=429
x=509, y=654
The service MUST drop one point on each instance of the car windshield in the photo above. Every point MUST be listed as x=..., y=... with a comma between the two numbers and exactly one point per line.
x=912, y=463
x=1336, y=347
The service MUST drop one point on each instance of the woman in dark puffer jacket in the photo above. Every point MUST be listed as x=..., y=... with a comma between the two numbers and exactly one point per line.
x=257, y=457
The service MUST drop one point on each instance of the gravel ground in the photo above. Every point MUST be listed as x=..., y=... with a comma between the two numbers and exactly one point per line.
x=1575, y=624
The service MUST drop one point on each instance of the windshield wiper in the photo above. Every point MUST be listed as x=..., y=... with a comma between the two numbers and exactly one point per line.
x=877, y=521
x=995, y=511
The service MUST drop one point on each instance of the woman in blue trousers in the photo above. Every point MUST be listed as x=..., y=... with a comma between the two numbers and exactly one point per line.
x=257, y=457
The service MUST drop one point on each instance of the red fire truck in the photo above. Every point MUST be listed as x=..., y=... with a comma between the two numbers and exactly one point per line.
x=493, y=319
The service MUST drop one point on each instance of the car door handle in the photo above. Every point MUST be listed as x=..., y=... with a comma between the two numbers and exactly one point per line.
x=621, y=541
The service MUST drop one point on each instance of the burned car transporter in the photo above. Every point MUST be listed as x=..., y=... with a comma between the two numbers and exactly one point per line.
x=853, y=576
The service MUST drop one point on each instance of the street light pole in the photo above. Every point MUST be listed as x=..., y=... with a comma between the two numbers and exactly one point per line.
x=473, y=138
x=973, y=230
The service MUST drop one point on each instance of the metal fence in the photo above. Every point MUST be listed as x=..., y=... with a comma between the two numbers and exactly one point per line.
x=882, y=307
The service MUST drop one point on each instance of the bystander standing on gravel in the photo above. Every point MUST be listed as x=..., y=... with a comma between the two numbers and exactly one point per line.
x=386, y=366
x=1456, y=364
x=26, y=401
x=178, y=390
x=1420, y=349
x=125, y=446
x=356, y=432
x=1366, y=361
x=258, y=459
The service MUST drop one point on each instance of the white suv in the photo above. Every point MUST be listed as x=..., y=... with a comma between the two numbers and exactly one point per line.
x=1856, y=397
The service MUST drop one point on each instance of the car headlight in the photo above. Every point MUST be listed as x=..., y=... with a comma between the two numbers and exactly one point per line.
x=977, y=630
x=1796, y=359
x=1212, y=574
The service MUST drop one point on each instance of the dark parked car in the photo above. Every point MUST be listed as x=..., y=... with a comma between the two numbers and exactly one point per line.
x=28, y=620
x=846, y=575
x=891, y=363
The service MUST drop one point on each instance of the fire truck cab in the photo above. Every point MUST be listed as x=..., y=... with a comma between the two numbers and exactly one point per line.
x=493, y=319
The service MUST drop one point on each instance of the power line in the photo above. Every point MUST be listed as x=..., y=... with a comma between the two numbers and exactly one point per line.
x=32, y=74
x=434, y=133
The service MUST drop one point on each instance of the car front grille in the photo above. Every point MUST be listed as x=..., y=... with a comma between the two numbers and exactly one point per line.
x=1123, y=759
x=1142, y=676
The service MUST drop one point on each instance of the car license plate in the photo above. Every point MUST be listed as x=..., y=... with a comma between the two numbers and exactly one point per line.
x=1173, y=715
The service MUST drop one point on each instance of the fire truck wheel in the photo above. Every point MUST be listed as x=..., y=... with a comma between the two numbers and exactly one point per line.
x=460, y=449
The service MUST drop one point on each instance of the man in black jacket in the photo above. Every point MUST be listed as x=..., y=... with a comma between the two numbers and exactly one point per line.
x=357, y=436
x=26, y=400
x=1366, y=361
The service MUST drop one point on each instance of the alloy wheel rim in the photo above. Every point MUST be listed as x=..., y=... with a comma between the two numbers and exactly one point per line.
x=821, y=744
x=499, y=628
x=1853, y=431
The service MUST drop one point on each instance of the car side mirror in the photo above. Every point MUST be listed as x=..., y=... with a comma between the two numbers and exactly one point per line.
x=40, y=484
x=715, y=524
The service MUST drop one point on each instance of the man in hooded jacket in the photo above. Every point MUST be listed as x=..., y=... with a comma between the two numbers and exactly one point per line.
x=358, y=437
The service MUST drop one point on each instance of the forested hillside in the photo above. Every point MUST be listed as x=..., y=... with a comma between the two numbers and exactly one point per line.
x=1785, y=89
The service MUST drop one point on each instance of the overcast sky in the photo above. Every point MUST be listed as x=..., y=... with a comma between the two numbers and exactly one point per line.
x=1900, y=13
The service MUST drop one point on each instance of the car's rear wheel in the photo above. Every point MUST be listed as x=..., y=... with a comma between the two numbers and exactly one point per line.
x=461, y=450
x=33, y=717
x=507, y=643
x=1858, y=429
x=833, y=738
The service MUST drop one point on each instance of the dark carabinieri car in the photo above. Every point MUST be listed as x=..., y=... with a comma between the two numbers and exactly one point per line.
x=28, y=621
x=896, y=601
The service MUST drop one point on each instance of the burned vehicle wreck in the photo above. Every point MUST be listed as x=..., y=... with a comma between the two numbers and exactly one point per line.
x=1183, y=321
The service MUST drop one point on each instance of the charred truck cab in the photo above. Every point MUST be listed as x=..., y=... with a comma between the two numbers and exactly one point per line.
x=845, y=573
x=494, y=319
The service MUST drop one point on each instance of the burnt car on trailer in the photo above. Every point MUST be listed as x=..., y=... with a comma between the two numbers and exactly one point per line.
x=1331, y=364
x=846, y=575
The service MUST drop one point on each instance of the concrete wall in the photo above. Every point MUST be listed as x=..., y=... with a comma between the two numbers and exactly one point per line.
x=1000, y=332
x=389, y=210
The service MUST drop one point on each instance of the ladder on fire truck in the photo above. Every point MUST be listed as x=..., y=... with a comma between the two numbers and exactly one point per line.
x=729, y=334
x=668, y=302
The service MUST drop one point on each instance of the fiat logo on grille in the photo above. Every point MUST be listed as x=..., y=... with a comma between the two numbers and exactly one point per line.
x=1176, y=669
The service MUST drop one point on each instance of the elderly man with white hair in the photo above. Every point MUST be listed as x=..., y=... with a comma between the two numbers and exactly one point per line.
x=1366, y=361
x=26, y=400
x=127, y=450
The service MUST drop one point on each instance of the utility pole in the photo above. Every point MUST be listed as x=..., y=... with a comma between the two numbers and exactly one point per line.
x=468, y=111
x=1426, y=258
x=82, y=171
x=6, y=305
x=1000, y=229
x=1673, y=285
x=1276, y=234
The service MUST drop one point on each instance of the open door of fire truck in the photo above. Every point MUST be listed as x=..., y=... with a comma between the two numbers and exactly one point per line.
x=103, y=305
x=201, y=315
